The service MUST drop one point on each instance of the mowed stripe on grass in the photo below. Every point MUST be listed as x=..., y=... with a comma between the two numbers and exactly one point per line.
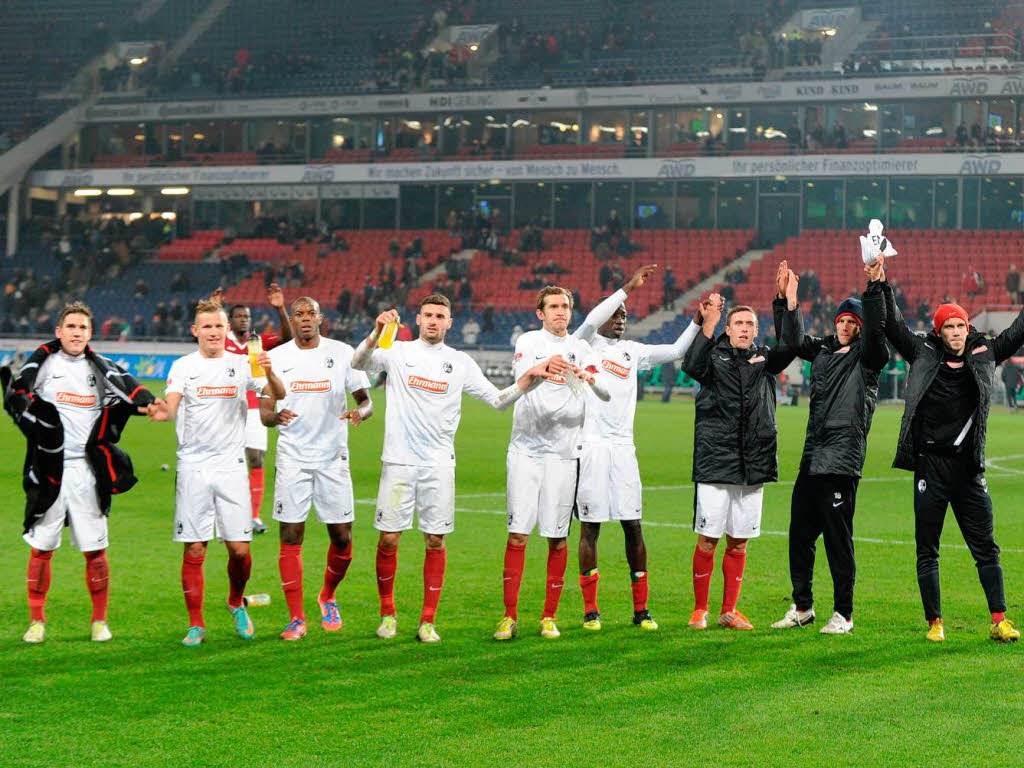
x=618, y=697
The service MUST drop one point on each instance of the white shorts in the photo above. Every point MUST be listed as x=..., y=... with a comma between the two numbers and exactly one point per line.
x=730, y=509
x=428, y=490
x=609, y=484
x=79, y=505
x=329, y=489
x=541, y=492
x=255, y=432
x=212, y=502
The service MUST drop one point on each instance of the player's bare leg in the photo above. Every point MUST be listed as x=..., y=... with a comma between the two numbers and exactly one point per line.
x=387, y=566
x=558, y=557
x=433, y=580
x=254, y=459
x=512, y=577
x=339, y=557
x=192, y=586
x=733, y=563
x=290, y=565
x=589, y=576
x=636, y=556
x=97, y=579
x=239, y=568
x=703, y=567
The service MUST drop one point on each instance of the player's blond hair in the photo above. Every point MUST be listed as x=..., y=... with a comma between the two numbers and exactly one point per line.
x=552, y=290
x=208, y=306
x=74, y=308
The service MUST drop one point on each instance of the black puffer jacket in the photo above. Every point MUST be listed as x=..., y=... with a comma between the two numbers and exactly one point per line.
x=734, y=433
x=925, y=354
x=844, y=390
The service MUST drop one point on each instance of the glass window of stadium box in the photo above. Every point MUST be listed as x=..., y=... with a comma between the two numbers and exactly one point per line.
x=473, y=133
x=1003, y=120
x=946, y=199
x=561, y=127
x=846, y=123
x=605, y=126
x=453, y=197
x=202, y=138
x=1001, y=203
x=175, y=142
x=975, y=119
x=823, y=204
x=418, y=206
x=865, y=200
x=736, y=133
x=682, y=131
x=533, y=203
x=494, y=199
x=816, y=130
x=341, y=213
x=929, y=120
x=233, y=136
x=415, y=132
x=774, y=123
x=891, y=120
x=637, y=142
x=380, y=213
x=695, y=204
x=654, y=206
x=969, y=202
x=573, y=205
x=910, y=203
x=737, y=205
x=283, y=140
x=613, y=196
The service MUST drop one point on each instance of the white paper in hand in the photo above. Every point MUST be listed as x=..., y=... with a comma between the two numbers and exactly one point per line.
x=874, y=243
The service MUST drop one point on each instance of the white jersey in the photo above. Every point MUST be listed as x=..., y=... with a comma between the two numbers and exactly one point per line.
x=425, y=387
x=71, y=384
x=548, y=420
x=211, y=414
x=316, y=382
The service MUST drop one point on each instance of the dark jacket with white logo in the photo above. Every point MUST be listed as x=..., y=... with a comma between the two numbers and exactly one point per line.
x=924, y=354
x=40, y=422
x=844, y=390
x=734, y=433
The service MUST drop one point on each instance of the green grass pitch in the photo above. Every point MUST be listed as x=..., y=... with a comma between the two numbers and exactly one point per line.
x=616, y=698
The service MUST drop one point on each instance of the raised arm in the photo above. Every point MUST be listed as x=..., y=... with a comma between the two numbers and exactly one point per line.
x=697, y=360
x=480, y=387
x=808, y=346
x=363, y=359
x=906, y=342
x=600, y=314
x=657, y=354
x=275, y=298
x=782, y=354
x=875, y=354
x=1010, y=340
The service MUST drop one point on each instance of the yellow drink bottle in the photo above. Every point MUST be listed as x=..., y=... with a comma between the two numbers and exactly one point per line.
x=255, y=346
x=387, y=336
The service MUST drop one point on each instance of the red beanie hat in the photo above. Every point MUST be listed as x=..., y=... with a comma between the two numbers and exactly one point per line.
x=947, y=311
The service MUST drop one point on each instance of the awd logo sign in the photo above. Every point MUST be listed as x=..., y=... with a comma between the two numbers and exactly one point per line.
x=980, y=165
x=969, y=86
x=677, y=169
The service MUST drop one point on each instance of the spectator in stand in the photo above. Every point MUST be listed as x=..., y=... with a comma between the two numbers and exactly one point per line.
x=605, y=277
x=141, y=289
x=465, y=294
x=488, y=319
x=924, y=311
x=344, y=304
x=369, y=296
x=1011, y=375
x=973, y=282
x=839, y=140
x=613, y=225
x=180, y=282
x=452, y=222
x=1013, y=285
x=471, y=331
x=138, y=327
x=517, y=331
x=961, y=135
x=668, y=289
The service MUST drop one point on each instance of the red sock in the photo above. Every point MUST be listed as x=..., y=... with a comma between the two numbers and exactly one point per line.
x=238, y=577
x=703, y=566
x=38, y=580
x=387, y=565
x=512, y=577
x=933, y=622
x=97, y=579
x=338, y=561
x=433, y=581
x=732, y=569
x=289, y=562
x=997, y=617
x=557, y=559
x=639, y=585
x=588, y=586
x=192, y=585
x=256, y=490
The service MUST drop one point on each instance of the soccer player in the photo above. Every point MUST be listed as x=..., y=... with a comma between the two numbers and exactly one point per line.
x=942, y=441
x=312, y=456
x=844, y=387
x=734, y=443
x=240, y=318
x=609, y=486
x=425, y=383
x=72, y=405
x=543, y=452
x=206, y=393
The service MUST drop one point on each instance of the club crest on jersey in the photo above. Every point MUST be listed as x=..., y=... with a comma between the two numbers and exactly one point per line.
x=922, y=485
x=217, y=392
x=428, y=385
x=622, y=371
x=447, y=367
x=626, y=357
x=91, y=380
x=231, y=372
x=571, y=357
x=79, y=401
x=329, y=362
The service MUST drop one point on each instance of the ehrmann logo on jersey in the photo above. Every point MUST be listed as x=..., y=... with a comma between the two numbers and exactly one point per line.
x=622, y=371
x=223, y=392
x=436, y=387
x=71, y=398
x=311, y=386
